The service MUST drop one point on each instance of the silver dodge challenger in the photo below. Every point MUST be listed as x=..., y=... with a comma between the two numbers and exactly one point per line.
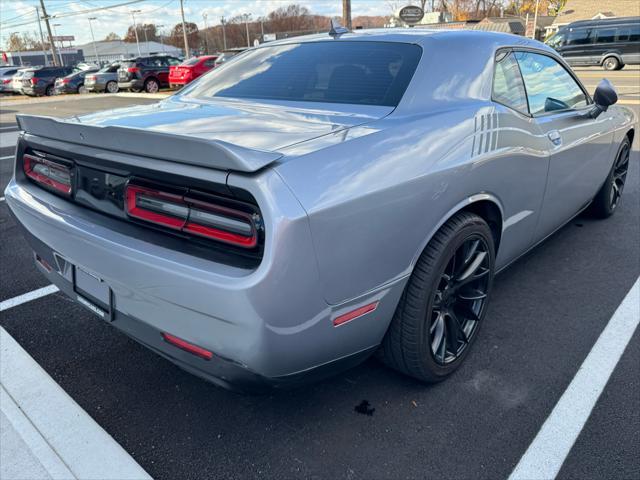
x=318, y=199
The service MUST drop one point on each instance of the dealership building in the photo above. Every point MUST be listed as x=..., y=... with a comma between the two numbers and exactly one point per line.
x=108, y=52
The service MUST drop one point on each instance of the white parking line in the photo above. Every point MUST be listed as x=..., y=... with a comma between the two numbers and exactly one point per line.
x=12, y=127
x=551, y=446
x=7, y=157
x=27, y=297
x=1, y=199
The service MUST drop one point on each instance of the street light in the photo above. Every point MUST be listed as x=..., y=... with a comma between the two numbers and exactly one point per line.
x=246, y=23
x=135, y=29
x=55, y=34
x=206, y=41
x=95, y=49
x=159, y=30
x=224, y=33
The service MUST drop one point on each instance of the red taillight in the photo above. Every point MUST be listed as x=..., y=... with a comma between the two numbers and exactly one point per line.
x=47, y=173
x=191, y=215
x=133, y=69
x=65, y=80
x=352, y=315
x=8, y=80
x=34, y=81
x=187, y=347
x=162, y=208
x=91, y=77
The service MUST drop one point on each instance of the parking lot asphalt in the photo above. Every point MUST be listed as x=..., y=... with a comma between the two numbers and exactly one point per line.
x=546, y=313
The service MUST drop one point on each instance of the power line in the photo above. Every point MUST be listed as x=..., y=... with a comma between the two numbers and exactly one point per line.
x=82, y=12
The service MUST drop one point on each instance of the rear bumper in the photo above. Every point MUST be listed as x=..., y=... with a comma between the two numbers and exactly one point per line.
x=131, y=84
x=268, y=326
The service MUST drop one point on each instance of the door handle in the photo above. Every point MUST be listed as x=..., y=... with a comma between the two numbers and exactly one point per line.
x=555, y=137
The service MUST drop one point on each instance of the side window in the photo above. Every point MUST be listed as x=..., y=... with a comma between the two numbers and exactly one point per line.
x=623, y=35
x=210, y=63
x=605, y=35
x=580, y=36
x=549, y=86
x=635, y=33
x=508, y=88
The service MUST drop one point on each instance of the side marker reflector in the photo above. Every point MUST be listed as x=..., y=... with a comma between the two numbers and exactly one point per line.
x=353, y=314
x=187, y=347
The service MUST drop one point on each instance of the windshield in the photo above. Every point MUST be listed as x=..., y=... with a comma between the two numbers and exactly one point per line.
x=556, y=40
x=365, y=73
x=191, y=61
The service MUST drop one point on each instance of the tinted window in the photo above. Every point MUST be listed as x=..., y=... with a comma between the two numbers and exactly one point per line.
x=210, y=63
x=605, y=35
x=172, y=61
x=191, y=61
x=508, y=88
x=580, y=36
x=549, y=86
x=366, y=73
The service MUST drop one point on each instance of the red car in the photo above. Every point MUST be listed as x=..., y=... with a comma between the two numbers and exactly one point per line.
x=180, y=75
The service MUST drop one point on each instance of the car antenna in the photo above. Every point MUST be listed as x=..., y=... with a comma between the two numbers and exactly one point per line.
x=337, y=29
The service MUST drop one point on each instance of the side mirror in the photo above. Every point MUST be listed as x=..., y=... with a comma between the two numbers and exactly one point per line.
x=604, y=96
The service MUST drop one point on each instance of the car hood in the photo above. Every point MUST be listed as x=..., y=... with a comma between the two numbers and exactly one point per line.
x=259, y=126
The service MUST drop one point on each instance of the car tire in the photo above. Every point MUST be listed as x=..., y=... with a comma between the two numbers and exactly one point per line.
x=611, y=63
x=151, y=85
x=82, y=89
x=111, y=87
x=607, y=199
x=49, y=91
x=440, y=311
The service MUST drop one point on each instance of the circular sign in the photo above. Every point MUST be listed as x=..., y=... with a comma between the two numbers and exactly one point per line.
x=411, y=14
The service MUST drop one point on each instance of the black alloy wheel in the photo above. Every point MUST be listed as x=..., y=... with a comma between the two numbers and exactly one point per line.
x=620, y=169
x=460, y=300
x=607, y=200
x=443, y=305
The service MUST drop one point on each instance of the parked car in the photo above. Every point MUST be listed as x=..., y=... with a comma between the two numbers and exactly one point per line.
x=611, y=43
x=72, y=83
x=6, y=76
x=41, y=81
x=319, y=199
x=145, y=73
x=16, y=80
x=189, y=70
x=104, y=80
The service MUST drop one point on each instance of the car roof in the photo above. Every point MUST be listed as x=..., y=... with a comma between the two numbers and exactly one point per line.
x=604, y=22
x=416, y=35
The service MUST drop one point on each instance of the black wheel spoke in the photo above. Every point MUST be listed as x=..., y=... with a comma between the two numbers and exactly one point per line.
x=459, y=299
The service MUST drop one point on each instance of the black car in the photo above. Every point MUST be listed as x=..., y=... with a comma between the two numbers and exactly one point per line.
x=611, y=43
x=145, y=73
x=72, y=83
x=41, y=81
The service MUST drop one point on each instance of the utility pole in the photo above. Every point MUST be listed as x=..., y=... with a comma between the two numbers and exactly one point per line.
x=46, y=22
x=246, y=24
x=206, y=28
x=535, y=20
x=61, y=44
x=224, y=33
x=146, y=39
x=184, y=32
x=44, y=50
x=95, y=50
x=135, y=29
x=346, y=13
x=159, y=30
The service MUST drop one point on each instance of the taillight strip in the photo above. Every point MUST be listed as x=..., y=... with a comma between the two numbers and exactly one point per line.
x=47, y=173
x=192, y=216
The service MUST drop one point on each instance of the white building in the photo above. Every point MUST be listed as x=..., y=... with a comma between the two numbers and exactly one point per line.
x=117, y=50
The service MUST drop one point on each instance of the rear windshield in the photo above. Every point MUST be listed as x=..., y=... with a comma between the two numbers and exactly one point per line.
x=365, y=73
x=191, y=61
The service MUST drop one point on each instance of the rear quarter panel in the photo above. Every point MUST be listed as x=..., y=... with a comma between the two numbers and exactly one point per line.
x=377, y=194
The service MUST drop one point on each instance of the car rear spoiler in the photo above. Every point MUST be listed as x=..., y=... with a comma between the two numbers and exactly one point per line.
x=148, y=143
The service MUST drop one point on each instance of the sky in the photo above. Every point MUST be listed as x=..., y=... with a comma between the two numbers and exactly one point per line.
x=162, y=12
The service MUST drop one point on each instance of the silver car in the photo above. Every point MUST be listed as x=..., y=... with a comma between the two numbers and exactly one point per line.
x=318, y=199
x=104, y=80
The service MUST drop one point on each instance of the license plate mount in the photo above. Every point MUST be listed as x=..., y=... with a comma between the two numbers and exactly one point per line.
x=93, y=293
